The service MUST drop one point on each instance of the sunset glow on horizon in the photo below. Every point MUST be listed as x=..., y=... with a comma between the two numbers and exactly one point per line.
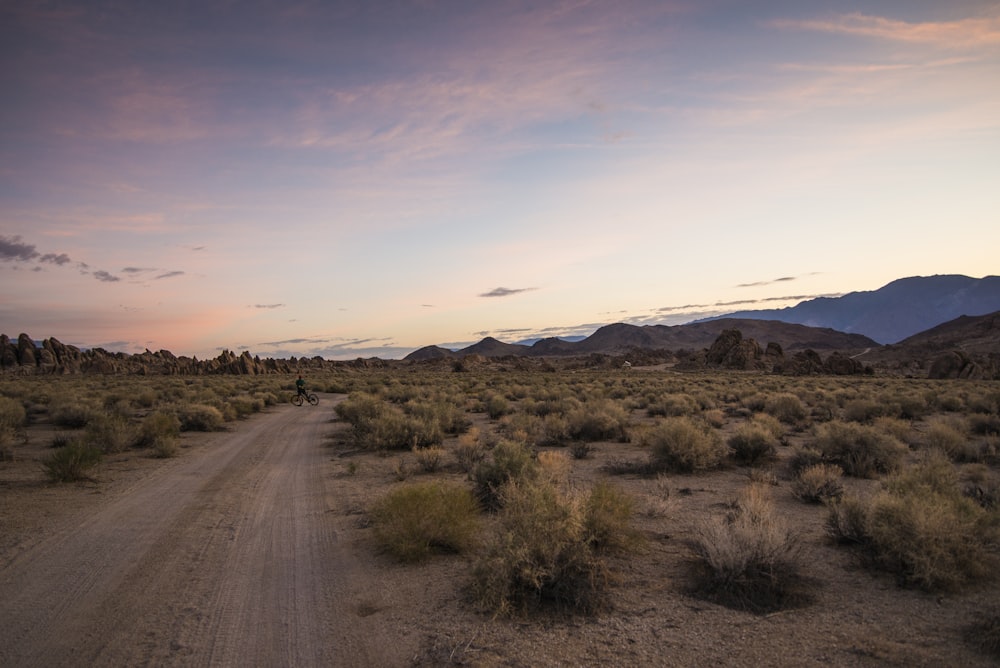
x=356, y=179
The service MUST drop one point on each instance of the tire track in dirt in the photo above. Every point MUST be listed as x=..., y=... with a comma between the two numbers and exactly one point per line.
x=229, y=557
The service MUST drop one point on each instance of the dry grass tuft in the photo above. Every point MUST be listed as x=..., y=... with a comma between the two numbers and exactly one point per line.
x=749, y=560
x=413, y=522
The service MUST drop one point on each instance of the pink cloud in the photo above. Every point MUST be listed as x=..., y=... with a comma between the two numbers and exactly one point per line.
x=961, y=34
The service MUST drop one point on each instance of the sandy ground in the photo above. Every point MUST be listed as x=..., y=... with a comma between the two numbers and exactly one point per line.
x=252, y=548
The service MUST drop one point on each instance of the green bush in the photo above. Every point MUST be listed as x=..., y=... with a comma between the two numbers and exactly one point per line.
x=413, y=522
x=860, y=450
x=679, y=445
x=750, y=559
x=72, y=462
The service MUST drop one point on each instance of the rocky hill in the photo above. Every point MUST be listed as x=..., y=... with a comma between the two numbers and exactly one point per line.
x=623, y=338
x=966, y=347
x=23, y=356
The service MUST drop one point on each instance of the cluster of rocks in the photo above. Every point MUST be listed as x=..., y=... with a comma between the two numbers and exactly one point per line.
x=731, y=351
x=957, y=364
x=53, y=357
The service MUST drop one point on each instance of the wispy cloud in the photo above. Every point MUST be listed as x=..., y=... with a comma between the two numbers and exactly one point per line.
x=960, y=34
x=505, y=292
x=169, y=274
x=55, y=258
x=268, y=306
x=13, y=249
x=783, y=279
x=106, y=277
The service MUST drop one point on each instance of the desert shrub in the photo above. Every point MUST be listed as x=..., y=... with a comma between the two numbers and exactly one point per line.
x=449, y=417
x=984, y=633
x=508, y=461
x=786, y=407
x=554, y=430
x=607, y=520
x=910, y=406
x=755, y=402
x=672, y=405
x=947, y=436
x=109, y=432
x=540, y=556
x=497, y=406
x=158, y=426
x=359, y=408
x=400, y=470
x=749, y=560
x=72, y=462
x=598, y=421
x=378, y=425
x=984, y=490
x=658, y=500
x=752, y=444
x=470, y=450
x=950, y=402
x=413, y=522
x=770, y=423
x=581, y=449
x=200, y=417
x=429, y=459
x=555, y=466
x=863, y=410
x=165, y=447
x=12, y=414
x=819, y=483
x=860, y=450
x=921, y=529
x=244, y=405
x=847, y=522
x=985, y=425
x=900, y=429
x=71, y=414
x=680, y=445
x=522, y=427
x=145, y=398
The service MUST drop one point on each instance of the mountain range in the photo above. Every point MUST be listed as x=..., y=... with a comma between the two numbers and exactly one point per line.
x=895, y=311
x=854, y=322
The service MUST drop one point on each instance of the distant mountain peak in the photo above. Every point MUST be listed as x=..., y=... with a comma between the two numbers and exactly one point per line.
x=895, y=311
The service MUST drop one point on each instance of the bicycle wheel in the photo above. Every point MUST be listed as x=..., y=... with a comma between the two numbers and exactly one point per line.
x=313, y=399
x=297, y=399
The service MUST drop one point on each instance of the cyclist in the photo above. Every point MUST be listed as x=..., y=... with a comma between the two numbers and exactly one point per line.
x=300, y=387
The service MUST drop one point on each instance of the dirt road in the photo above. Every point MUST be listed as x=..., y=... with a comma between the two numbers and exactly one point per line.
x=231, y=555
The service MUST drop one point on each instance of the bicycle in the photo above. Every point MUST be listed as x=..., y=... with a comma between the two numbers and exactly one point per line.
x=299, y=399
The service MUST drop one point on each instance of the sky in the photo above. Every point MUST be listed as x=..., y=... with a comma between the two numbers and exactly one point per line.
x=363, y=178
